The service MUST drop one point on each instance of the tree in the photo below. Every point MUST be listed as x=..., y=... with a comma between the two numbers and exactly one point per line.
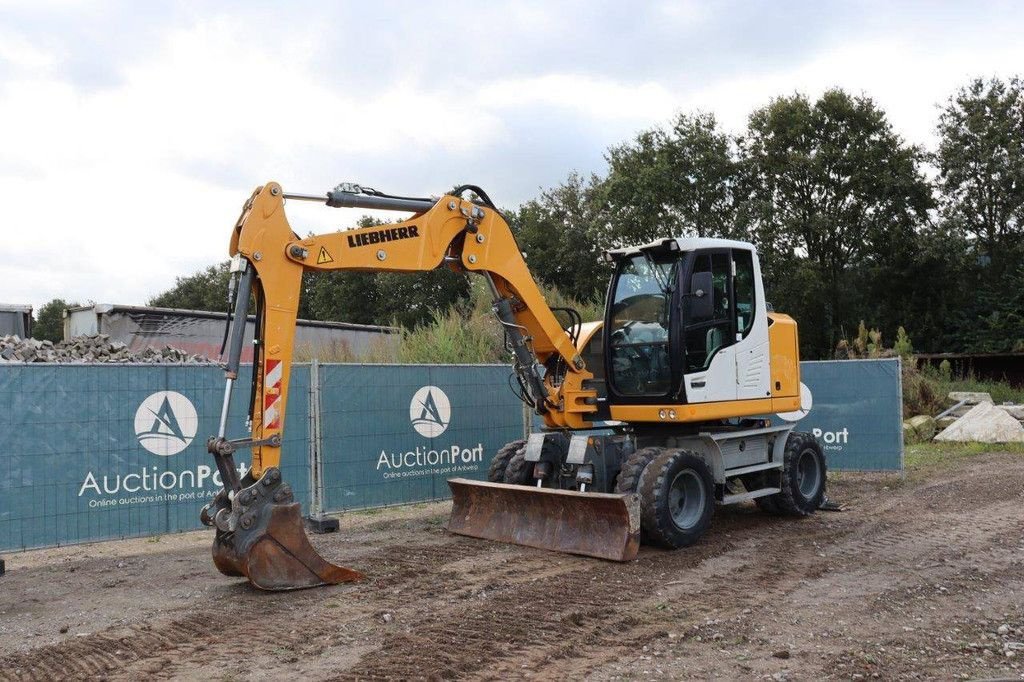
x=829, y=189
x=49, y=320
x=981, y=168
x=672, y=183
x=205, y=290
x=564, y=234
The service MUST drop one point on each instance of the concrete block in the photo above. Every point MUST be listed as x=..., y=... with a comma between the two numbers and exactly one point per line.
x=923, y=427
x=985, y=423
x=1015, y=411
x=972, y=397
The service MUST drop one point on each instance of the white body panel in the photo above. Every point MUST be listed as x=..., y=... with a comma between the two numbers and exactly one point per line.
x=741, y=371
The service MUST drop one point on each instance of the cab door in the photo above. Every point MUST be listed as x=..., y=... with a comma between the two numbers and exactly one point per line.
x=753, y=367
x=709, y=340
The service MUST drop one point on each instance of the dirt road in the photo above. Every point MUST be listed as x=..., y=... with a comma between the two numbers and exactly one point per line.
x=921, y=578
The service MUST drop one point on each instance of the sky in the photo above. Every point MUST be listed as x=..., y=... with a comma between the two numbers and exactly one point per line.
x=131, y=133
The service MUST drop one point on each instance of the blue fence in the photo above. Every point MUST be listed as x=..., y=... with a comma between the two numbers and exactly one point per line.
x=856, y=413
x=97, y=452
x=395, y=434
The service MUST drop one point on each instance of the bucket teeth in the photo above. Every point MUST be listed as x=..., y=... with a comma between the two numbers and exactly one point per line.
x=592, y=524
x=260, y=535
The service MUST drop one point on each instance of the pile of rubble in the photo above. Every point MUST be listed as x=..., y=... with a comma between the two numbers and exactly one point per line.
x=92, y=348
x=973, y=419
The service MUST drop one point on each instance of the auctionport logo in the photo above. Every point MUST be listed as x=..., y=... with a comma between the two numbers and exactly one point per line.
x=430, y=411
x=165, y=423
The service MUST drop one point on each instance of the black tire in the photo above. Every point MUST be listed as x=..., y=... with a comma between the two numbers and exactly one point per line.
x=554, y=451
x=677, y=499
x=628, y=479
x=496, y=472
x=804, y=476
x=519, y=471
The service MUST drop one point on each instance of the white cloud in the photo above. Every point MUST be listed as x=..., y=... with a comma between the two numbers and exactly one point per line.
x=117, y=185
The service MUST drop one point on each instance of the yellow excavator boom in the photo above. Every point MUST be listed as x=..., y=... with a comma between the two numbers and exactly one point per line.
x=259, y=532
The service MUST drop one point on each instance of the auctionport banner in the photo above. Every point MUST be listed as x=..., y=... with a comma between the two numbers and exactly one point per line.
x=111, y=451
x=95, y=452
x=856, y=412
x=396, y=434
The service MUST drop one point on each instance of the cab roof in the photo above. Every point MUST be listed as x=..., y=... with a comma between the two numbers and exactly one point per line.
x=682, y=244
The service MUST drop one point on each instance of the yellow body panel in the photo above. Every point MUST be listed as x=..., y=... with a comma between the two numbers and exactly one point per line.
x=687, y=413
x=784, y=350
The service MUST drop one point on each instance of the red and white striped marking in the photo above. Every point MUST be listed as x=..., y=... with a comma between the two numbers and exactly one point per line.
x=272, y=394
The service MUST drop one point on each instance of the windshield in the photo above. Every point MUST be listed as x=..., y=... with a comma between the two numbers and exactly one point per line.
x=640, y=324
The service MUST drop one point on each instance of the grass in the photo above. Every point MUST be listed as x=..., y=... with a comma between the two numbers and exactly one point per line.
x=926, y=390
x=1000, y=391
x=938, y=454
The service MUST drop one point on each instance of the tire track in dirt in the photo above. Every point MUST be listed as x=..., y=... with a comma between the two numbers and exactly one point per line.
x=233, y=630
x=437, y=605
x=562, y=614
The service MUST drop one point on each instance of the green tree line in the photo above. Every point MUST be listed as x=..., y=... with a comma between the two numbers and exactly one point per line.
x=852, y=223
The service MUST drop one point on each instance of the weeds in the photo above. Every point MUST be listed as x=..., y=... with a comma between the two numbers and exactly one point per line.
x=465, y=334
x=927, y=455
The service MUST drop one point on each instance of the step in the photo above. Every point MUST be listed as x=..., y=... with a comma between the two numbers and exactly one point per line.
x=743, y=497
x=729, y=473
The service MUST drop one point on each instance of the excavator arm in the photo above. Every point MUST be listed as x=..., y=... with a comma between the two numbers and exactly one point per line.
x=255, y=537
x=450, y=231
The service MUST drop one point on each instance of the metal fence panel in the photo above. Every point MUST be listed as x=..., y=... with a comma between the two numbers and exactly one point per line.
x=394, y=434
x=94, y=452
x=856, y=413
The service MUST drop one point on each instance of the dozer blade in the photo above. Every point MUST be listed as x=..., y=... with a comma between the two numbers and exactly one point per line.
x=268, y=544
x=592, y=524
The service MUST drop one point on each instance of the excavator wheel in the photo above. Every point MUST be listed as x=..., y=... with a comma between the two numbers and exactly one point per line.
x=519, y=471
x=677, y=499
x=628, y=480
x=803, y=476
x=496, y=472
x=554, y=451
x=260, y=535
x=629, y=474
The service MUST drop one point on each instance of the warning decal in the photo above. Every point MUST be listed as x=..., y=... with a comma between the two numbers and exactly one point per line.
x=272, y=394
x=324, y=257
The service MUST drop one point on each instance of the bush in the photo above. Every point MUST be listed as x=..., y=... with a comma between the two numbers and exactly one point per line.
x=464, y=333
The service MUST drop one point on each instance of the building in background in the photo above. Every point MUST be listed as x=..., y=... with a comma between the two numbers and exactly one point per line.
x=15, y=319
x=201, y=333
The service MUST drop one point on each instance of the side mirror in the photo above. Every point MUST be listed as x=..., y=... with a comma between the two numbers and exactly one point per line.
x=702, y=296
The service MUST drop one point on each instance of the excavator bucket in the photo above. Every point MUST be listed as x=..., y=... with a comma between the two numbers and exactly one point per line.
x=592, y=524
x=260, y=535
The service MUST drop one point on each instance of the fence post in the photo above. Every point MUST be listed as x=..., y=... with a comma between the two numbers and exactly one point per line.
x=317, y=521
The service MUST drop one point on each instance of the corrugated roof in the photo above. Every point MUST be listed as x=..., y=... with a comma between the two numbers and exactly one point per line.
x=105, y=308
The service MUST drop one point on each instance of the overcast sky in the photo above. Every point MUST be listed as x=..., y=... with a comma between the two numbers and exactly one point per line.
x=131, y=132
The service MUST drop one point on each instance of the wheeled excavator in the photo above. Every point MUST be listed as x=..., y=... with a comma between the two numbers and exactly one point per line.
x=680, y=377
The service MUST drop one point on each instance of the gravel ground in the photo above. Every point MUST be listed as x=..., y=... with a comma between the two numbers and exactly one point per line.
x=921, y=578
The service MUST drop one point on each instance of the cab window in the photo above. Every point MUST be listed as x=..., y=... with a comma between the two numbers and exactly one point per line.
x=705, y=336
x=744, y=286
x=639, y=326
